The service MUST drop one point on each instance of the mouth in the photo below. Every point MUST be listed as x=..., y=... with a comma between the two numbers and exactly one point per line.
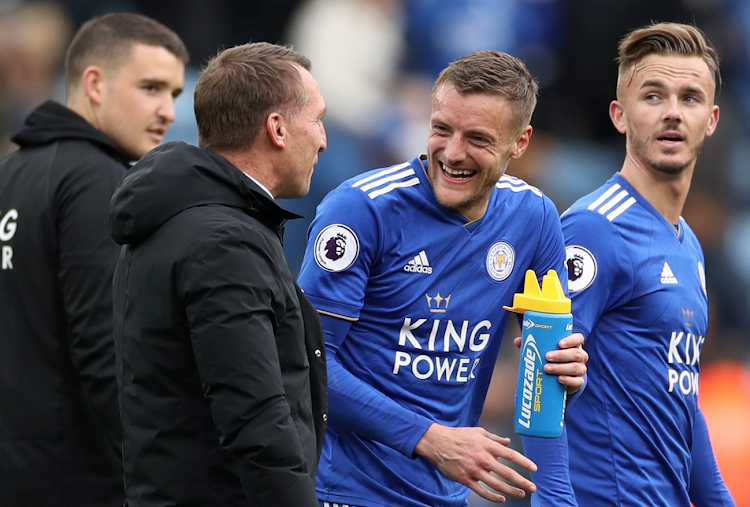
x=456, y=173
x=671, y=138
x=156, y=133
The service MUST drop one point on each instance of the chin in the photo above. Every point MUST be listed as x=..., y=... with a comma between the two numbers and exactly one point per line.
x=141, y=151
x=454, y=204
x=671, y=168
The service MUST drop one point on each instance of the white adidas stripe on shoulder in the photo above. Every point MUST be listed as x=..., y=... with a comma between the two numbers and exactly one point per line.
x=516, y=185
x=399, y=176
x=392, y=186
x=382, y=173
x=612, y=199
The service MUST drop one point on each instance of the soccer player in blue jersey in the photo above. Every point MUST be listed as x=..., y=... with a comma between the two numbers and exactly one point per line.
x=409, y=267
x=637, y=280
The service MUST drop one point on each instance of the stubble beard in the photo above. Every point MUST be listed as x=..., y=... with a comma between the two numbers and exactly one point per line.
x=667, y=167
x=465, y=204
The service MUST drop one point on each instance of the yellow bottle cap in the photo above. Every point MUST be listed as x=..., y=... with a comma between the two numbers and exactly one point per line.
x=550, y=299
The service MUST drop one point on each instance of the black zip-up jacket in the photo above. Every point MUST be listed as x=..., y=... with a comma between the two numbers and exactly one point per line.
x=60, y=432
x=220, y=357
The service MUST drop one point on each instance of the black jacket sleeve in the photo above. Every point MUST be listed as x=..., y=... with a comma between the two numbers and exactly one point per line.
x=86, y=261
x=233, y=302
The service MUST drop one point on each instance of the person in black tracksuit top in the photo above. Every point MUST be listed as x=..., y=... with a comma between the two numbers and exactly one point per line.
x=220, y=356
x=60, y=429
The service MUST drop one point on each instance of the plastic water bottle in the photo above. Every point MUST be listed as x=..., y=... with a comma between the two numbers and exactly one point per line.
x=540, y=398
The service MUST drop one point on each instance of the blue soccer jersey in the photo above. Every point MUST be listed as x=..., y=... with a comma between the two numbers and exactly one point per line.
x=639, y=297
x=418, y=291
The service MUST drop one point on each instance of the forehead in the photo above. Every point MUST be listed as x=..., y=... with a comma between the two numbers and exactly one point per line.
x=147, y=59
x=669, y=69
x=472, y=110
x=312, y=90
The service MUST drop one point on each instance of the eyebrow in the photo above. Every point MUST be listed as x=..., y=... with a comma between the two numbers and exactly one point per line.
x=652, y=83
x=659, y=85
x=152, y=81
x=694, y=90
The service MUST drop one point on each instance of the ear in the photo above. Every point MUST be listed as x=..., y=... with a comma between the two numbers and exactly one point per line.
x=617, y=115
x=277, y=130
x=92, y=82
x=713, y=121
x=522, y=142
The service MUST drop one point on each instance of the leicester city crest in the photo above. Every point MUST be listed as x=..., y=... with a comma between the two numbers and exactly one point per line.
x=336, y=248
x=500, y=260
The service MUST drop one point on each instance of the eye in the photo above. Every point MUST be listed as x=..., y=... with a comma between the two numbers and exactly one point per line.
x=152, y=87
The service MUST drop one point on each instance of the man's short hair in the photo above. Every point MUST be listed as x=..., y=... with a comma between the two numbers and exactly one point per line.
x=108, y=40
x=667, y=38
x=494, y=73
x=240, y=87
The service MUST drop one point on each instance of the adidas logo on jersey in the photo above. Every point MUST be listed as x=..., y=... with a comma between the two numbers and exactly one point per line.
x=419, y=264
x=666, y=275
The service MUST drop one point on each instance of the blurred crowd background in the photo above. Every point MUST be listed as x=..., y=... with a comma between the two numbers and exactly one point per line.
x=376, y=60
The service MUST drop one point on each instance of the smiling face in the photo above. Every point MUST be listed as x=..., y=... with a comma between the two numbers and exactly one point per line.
x=472, y=138
x=666, y=109
x=134, y=106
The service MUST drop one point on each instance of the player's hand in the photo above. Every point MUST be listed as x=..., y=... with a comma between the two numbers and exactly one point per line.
x=568, y=363
x=470, y=456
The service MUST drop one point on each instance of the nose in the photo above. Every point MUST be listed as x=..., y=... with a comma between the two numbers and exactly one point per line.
x=455, y=149
x=167, y=110
x=323, y=139
x=673, y=113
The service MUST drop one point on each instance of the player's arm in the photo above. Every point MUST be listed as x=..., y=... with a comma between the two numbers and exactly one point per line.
x=568, y=363
x=707, y=488
x=355, y=406
x=87, y=256
x=345, y=242
x=553, y=477
x=232, y=294
x=599, y=267
x=590, y=288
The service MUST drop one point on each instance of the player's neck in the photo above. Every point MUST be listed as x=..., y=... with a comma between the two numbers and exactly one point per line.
x=665, y=192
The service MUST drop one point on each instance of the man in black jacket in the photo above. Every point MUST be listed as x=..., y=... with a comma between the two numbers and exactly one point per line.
x=60, y=430
x=220, y=357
